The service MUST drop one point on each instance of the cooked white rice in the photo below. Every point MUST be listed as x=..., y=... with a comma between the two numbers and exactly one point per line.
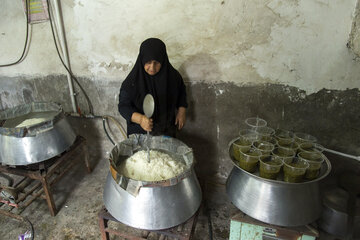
x=160, y=167
x=32, y=121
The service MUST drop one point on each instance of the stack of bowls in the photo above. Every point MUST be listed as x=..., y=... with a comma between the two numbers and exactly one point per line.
x=312, y=154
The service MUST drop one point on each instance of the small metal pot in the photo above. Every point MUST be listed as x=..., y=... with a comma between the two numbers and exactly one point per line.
x=334, y=218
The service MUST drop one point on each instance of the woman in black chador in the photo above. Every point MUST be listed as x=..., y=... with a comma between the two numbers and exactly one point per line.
x=153, y=74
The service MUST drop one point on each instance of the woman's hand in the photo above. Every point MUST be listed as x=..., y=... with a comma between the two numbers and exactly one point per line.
x=146, y=123
x=143, y=121
x=180, y=117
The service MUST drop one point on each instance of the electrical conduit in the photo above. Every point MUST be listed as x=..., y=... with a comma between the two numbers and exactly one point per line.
x=62, y=40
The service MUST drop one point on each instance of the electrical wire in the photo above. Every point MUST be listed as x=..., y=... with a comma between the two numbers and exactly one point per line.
x=26, y=40
x=104, y=118
x=121, y=128
x=31, y=227
x=91, y=111
x=107, y=134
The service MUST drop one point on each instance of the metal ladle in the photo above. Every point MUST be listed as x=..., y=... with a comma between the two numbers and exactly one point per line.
x=148, y=108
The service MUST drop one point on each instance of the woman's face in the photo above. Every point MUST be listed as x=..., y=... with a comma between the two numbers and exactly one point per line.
x=152, y=67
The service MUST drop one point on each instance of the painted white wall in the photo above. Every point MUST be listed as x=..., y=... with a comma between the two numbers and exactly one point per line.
x=300, y=43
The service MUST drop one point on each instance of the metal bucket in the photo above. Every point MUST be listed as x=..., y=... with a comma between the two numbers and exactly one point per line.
x=272, y=201
x=152, y=205
x=334, y=218
x=25, y=142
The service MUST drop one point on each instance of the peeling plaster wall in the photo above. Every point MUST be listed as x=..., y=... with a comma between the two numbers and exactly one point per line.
x=286, y=61
x=354, y=41
x=297, y=43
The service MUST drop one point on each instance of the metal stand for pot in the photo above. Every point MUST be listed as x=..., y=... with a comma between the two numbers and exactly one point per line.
x=184, y=231
x=45, y=176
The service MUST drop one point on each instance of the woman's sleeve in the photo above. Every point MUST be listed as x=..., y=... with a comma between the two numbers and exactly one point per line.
x=182, y=102
x=125, y=106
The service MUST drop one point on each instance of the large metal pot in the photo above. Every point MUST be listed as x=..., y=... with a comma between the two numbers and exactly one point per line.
x=29, y=143
x=152, y=205
x=273, y=201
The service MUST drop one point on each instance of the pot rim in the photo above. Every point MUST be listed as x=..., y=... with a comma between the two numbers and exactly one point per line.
x=124, y=181
x=23, y=110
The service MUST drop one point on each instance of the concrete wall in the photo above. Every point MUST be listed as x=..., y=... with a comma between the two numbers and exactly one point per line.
x=285, y=61
x=354, y=40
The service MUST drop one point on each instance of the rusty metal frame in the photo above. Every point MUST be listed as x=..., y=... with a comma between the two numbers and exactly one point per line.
x=49, y=176
x=184, y=231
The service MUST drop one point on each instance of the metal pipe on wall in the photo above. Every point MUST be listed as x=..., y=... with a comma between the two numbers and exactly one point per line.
x=342, y=154
x=62, y=41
